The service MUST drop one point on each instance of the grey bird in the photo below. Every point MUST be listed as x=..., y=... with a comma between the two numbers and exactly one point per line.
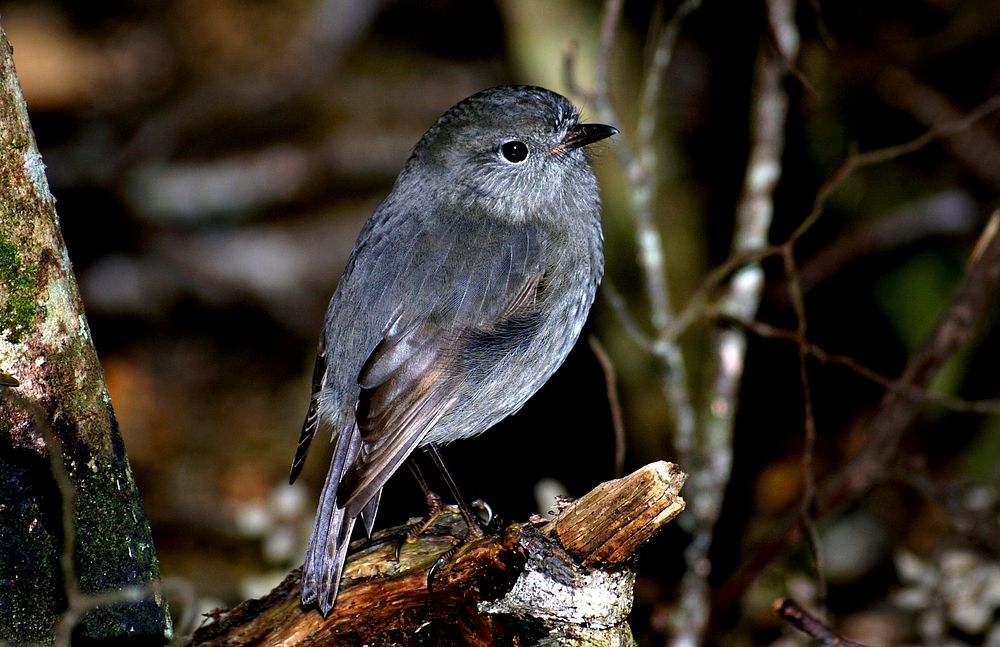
x=465, y=291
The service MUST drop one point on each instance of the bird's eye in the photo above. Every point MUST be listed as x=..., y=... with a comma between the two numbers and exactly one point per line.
x=514, y=151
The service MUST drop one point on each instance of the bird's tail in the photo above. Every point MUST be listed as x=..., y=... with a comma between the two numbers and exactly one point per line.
x=331, y=533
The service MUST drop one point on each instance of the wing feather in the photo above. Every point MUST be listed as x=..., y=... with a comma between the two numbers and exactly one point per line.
x=312, y=421
x=419, y=369
x=454, y=307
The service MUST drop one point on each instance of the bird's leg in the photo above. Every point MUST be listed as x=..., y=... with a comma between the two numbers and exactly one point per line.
x=471, y=521
x=434, y=502
x=471, y=518
x=456, y=551
x=435, y=508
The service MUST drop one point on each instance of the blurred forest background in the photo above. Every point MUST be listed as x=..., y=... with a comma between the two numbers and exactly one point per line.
x=214, y=161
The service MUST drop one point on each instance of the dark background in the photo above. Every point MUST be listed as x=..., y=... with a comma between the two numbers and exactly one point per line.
x=213, y=162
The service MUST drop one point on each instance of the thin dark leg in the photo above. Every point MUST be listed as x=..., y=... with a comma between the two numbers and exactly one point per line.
x=435, y=507
x=433, y=500
x=463, y=507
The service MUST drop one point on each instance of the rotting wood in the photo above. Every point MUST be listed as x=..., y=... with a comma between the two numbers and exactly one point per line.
x=493, y=593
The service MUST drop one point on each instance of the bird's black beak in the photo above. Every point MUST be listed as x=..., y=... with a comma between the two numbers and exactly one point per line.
x=584, y=134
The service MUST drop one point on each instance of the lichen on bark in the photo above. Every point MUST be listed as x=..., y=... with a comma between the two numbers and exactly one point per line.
x=57, y=388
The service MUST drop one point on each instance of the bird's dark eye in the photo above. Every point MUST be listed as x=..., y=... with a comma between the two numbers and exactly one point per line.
x=514, y=151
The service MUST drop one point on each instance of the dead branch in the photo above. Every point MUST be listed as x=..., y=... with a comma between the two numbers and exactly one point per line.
x=792, y=612
x=709, y=451
x=901, y=388
x=896, y=412
x=569, y=574
x=977, y=148
x=614, y=401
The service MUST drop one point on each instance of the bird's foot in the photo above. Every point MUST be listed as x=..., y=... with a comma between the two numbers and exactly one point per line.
x=485, y=515
x=435, y=510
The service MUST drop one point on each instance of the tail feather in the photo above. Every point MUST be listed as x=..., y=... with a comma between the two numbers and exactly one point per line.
x=325, y=558
x=368, y=513
x=331, y=534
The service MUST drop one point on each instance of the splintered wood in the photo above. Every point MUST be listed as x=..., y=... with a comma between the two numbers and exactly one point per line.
x=608, y=524
x=384, y=598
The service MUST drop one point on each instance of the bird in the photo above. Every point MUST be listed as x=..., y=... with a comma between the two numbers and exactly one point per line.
x=465, y=290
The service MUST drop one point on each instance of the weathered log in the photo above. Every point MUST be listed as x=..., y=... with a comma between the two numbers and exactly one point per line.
x=536, y=582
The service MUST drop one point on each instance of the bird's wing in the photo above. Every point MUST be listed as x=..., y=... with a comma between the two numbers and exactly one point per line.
x=312, y=420
x=485, y=295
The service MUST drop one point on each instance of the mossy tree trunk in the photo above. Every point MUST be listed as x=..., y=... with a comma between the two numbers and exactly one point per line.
x=59, y=441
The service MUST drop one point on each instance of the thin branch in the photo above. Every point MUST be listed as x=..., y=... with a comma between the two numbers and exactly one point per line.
x=859, y=160
x=642, y=173
x=614, y=402
x=609, y=25
x=640, y=166
x=781, y=20
x=709, y=452
x=947, y=213
x=642, y=178
x=977, y=149
x=631, y=327
x=806, y=507
x=699, y=299
x=900, y=388
x=792, y=612
x=895, y=414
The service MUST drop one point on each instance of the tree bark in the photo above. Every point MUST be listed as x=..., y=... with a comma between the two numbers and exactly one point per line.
x=566, y=581
x=61, y=456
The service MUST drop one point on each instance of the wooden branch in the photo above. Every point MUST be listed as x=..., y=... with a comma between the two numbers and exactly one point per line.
x=61, y=456
x=570, y=577
x=608, y=524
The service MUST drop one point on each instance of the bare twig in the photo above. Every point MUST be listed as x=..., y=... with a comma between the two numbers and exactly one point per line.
x=625, y=318
x=948, y=213
x=640, y=162
x=879, y=155
x=806, y=512
x=642, y=172
x=614, y=403
x=977, y=149
x=895, y=413
x=694, y=309
x=781, y=19
x=824, y=32
x=709, y=454
x=742, y=278
x=609, y=24
x=642, y=179
x=792, y=612
x=902, y=389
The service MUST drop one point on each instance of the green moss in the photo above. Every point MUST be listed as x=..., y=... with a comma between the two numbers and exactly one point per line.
x=30, y=590
x=18, y=306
